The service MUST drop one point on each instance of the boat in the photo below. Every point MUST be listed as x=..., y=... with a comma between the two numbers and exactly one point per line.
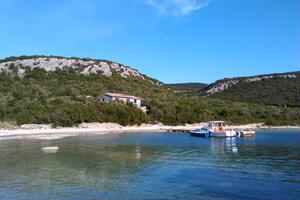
x=200, y=132
x=246, y=133
x=218, y=129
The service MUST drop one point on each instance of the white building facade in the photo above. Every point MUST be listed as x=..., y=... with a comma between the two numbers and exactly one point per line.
x=110, y=97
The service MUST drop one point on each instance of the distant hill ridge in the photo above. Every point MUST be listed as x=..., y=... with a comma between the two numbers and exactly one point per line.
x=187, y=87
x=280, y=89
x=224, y=84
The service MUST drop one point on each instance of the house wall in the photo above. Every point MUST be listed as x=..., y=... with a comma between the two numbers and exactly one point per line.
x=105, y=99
x=108, y=99
x=138, y=103
x=123, y=99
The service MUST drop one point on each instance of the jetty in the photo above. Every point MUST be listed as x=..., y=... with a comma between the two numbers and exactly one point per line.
x=212, y=129
x=240, y=133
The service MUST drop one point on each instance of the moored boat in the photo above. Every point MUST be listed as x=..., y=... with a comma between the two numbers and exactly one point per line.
x=246, y=133
x=218, y=129
x=200, y=132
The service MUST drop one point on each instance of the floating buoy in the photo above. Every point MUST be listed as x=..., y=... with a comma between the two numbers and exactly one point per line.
x=53, y=149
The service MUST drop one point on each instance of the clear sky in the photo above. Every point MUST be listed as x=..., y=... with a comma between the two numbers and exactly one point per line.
x=171, y=40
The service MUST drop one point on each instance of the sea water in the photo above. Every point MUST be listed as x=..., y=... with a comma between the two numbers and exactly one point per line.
x=153, y=166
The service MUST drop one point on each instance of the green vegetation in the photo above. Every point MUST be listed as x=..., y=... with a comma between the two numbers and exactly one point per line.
x=277, y=91
x=188, y=88
x=66, y=97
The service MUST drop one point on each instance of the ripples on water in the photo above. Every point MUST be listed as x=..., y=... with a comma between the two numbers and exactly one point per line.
x=153, y=166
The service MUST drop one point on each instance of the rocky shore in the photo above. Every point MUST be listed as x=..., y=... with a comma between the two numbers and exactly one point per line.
x=46, y=132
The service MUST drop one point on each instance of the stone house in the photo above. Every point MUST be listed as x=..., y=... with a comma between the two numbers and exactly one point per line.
x=110, y=97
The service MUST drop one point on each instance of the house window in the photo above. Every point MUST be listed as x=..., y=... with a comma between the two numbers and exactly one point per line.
x=135, y=101
x=103, y=99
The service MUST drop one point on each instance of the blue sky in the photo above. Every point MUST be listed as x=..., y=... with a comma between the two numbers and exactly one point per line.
x=171, y=40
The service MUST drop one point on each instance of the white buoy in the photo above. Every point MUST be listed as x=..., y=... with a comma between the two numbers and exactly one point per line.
x=53, y=149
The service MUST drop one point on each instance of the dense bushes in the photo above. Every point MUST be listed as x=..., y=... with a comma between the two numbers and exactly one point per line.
x=194, y=109
x=68, y=113
x=278, y=91
x=65, y=97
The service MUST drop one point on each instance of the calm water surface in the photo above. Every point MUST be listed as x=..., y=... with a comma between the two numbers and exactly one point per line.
x=153, y=166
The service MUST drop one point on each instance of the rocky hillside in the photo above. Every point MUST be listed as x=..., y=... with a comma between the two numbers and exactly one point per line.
x=64, y=91
x=275, y=89
x=83, y=66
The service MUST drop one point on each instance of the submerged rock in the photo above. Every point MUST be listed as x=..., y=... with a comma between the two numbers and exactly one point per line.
x=53, y=149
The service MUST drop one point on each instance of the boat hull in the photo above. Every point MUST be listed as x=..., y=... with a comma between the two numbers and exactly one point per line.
x=223, y=134
x=217, y=134
x=198, y=134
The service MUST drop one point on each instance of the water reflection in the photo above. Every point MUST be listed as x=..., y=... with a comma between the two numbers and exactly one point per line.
x=224, y=145
x=138, y=154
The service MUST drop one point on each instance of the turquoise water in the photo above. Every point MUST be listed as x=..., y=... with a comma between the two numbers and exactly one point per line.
x=153, y=166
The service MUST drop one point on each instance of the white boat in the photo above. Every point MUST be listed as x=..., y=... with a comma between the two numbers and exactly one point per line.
x=246, y=133
x=218, y=129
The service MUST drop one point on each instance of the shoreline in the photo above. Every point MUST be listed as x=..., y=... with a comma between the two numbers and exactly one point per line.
x=46, y=132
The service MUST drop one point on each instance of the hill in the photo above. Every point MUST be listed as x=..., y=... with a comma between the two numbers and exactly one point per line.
x=64, y=92
x=272, y=89
x=191, y=88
